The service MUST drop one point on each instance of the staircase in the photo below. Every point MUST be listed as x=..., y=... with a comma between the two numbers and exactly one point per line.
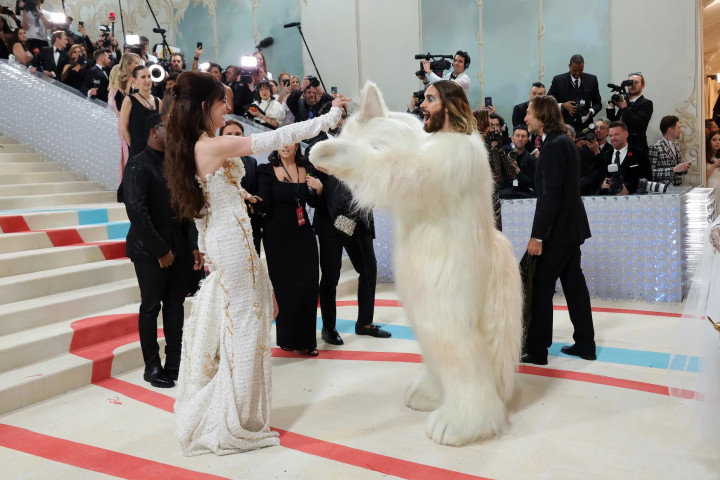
x=62, y=251
x=68, y=296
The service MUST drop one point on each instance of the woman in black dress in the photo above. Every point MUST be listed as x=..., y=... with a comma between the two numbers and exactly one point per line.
x=290, y=246
x=73, y=73
x=135, y=110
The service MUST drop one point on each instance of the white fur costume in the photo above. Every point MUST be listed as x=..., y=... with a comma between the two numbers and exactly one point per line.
x=456, y=274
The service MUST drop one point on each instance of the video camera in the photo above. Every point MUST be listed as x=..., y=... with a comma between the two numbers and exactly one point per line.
x=588, y=133
x=438, y=63
x=104, y=31
x=248, y=68
x=621, y=91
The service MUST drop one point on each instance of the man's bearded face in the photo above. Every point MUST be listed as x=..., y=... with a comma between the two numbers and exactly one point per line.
x=433, y=110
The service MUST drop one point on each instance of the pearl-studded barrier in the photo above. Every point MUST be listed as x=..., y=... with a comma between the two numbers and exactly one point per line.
x=644, y=247
x=60, y=123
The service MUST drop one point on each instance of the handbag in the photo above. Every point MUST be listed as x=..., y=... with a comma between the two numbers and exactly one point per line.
x=345, y=225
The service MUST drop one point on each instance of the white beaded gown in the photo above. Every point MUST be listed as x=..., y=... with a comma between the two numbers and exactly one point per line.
x=223, y=399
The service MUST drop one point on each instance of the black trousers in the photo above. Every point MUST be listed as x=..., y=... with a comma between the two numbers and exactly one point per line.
x=162, y=288
x=360, y=250
x=563, y=263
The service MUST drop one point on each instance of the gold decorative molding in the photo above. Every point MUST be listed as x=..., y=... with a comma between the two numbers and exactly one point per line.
x=479, y=38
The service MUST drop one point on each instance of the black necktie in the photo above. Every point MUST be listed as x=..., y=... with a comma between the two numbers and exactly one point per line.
x=576, y=83
x=617, y=157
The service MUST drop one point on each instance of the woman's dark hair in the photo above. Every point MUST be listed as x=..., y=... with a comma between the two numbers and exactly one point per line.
x=14, y=39
x=300, y=159
x=137, y=69
x=229, y=122
x=195, y=94
x=708, y=148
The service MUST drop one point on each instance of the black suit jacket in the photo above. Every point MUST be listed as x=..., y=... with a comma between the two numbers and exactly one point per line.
x=154, y=228
x=46, y=59
x=96, y=77
x=637, y=117
x=563, y=91
x=634, y=167
x=519, y=113
x=560, y=217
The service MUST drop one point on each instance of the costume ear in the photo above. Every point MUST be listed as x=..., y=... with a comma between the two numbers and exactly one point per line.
x=373, y=104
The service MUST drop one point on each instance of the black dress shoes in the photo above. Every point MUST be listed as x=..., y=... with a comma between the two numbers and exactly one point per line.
x=575, y=351
x=372, y=330
x=332, y=337
x=171, y=373
x=529, y=358
x=156, y=376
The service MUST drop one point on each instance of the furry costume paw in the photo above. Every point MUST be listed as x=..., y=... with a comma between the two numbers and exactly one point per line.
x=424, y=394
x=457, y=427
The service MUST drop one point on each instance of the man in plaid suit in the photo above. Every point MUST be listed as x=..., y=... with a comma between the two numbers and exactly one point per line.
x=665, y=158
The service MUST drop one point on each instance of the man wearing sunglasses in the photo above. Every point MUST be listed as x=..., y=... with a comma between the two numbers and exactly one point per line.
x=635, y=111
x=164, y=253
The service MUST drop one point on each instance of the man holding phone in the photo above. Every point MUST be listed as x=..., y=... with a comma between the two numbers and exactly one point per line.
x=461, y=62
x=665, y=156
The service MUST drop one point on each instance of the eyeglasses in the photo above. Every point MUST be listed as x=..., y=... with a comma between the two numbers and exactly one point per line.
x=635, y=73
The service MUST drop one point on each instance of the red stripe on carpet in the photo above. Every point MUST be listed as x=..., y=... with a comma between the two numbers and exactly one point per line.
x=13, y=224
x=312, y=446
x=367, y=460
x=396, y=303
x=111, y=250
x=93, y=458
x=63, y=237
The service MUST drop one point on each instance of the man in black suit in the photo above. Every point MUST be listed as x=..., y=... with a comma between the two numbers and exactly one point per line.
x=164, y=253
x=577, y=93
x=520, y=110
x=559, y=228
x=635, y=111
x=52, y=59
x=632, y=164
x=96, y=80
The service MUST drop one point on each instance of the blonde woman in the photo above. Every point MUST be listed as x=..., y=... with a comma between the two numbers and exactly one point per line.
x=120, y=83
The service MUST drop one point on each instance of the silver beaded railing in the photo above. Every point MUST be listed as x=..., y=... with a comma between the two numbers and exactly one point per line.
x=60, y=123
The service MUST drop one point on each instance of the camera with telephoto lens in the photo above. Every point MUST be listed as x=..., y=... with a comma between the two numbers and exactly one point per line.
x=512, y=155
x=314, y=82
x=583, y=108
x=494, y=139
x=104, y=31
x=646, y=186
x=438, y=63
x=620, y=90
x=419, y=95
x=588, y=133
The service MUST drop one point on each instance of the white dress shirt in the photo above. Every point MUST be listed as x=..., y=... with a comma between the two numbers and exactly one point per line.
x=463, y=79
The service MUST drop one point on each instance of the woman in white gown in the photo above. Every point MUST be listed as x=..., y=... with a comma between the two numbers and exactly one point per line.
x=223, y=398
x=694, y=370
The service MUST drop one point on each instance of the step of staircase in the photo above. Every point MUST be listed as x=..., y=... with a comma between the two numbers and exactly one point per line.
x=28, y=241
x=55, y=200
x=46, y=188
x=16, y=148
x=28, y=261
x=48, y=282
x=20, y=157
x=69, y=216
x=7, y=140
x=37, y=177
x=75, y=303
x=33, y=167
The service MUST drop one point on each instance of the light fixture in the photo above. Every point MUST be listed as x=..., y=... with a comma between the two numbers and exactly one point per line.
x=132, y=39
x=58, y=17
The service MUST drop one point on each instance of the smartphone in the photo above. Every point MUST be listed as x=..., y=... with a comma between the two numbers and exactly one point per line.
x=333, y=90
x=199, y=45
x=96, y=81
x=81, y=24
x=286, y=82
x=488, y=101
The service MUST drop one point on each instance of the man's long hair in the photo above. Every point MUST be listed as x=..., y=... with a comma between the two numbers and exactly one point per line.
x=546, y=109
x=454, y=99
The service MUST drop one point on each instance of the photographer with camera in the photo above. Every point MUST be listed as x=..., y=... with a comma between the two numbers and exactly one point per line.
x=305, y=103
x=588, y=147
x=577, y=94
x=461, y=61
x=665, y=157
x=623, y=166
x=633, y=109
x=523, y=186
x=73, y=73
x=36, y=23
